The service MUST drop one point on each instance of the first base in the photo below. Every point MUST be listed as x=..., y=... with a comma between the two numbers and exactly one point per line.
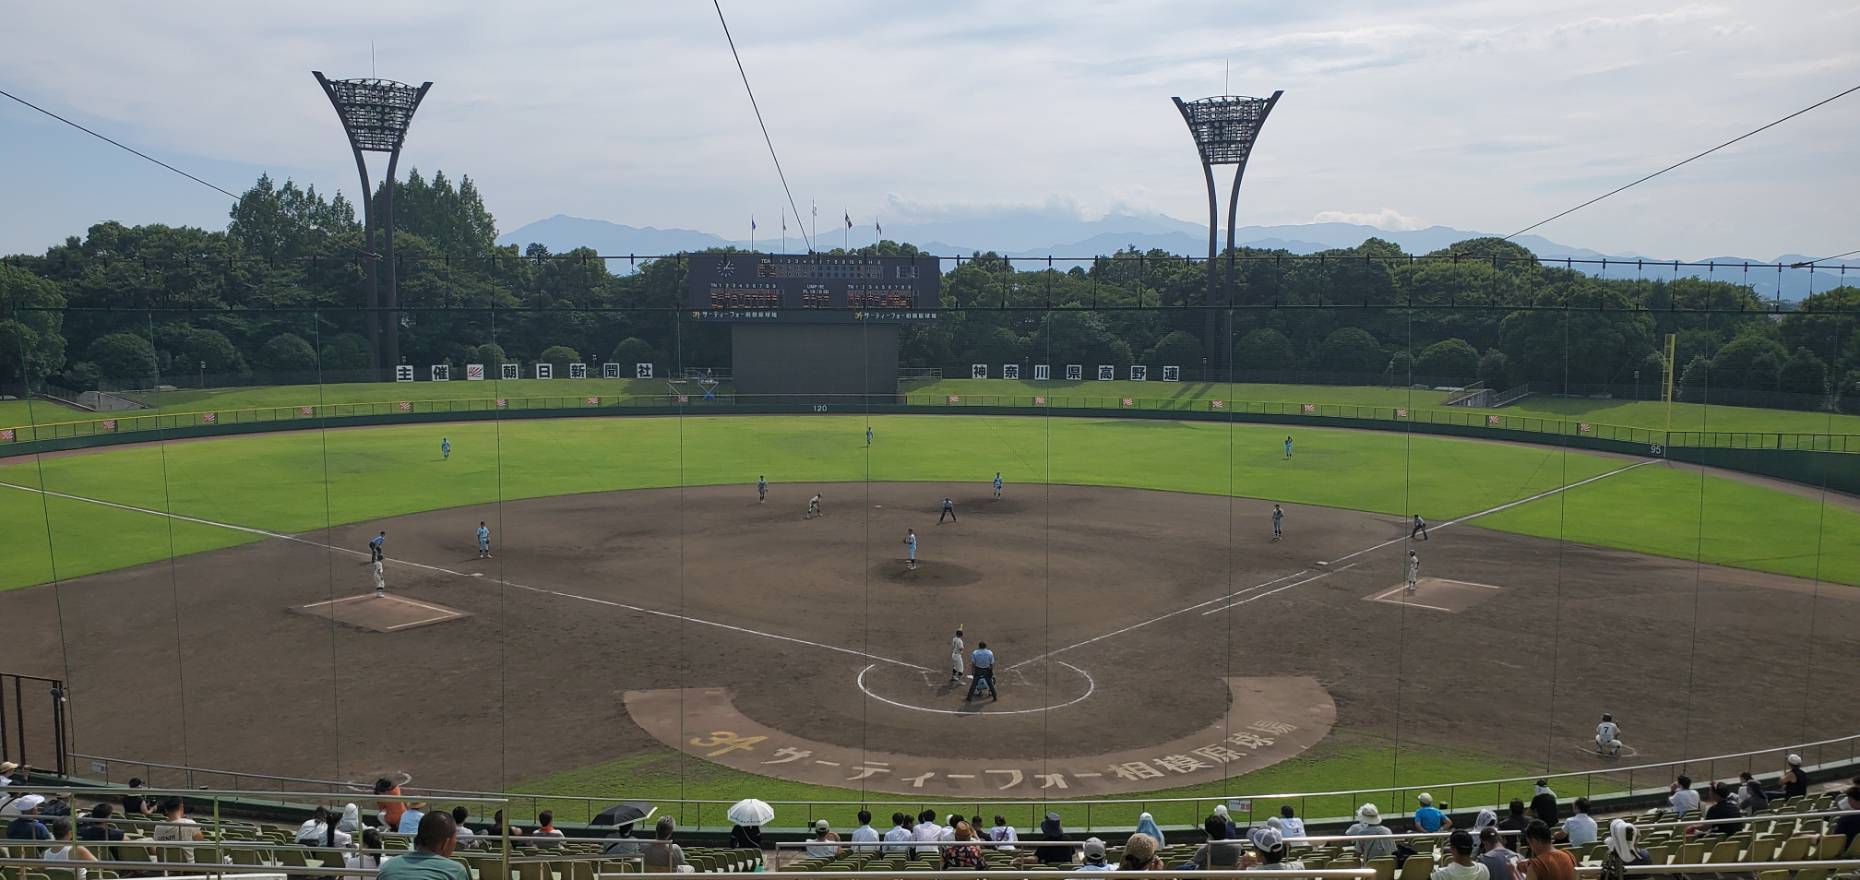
x=383, y=614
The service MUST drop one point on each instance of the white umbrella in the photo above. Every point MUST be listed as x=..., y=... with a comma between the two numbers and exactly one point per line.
x=750, y=811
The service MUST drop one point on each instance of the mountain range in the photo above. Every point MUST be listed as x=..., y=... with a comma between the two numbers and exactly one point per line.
x=1071, y=240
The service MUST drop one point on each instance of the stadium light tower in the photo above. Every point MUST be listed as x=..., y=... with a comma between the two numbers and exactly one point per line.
x=375, y=114
x=1224, y=129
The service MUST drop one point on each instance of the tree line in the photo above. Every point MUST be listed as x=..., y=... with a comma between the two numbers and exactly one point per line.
x=272, y=298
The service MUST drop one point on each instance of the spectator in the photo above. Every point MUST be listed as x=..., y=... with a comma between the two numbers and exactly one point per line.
x=1623, y=850
x=1500, y=862
x=1369, y=826
x=1219, y=852
x=865, y=833
x=391, y=810
x=965, y=855
x=6, y=773
x=499, y=828
x=1543, y=804
x=1462, y=865
x=1094, y=855
x=67, y=851
x=825, y=844
x=1140, y=854
x=1546, y=861
x=318, y=830
x=1428, y=818
x=1794, y=779
x=1050, y=829
x=925, y=831
x=1515, y=820
x=1579, y=829
x=367, y=860
x=546, y=833
x=1003, y=834
x=622, y=842
x=1146, y=824
x=746, y=836
x=1271, y=856
x=1289, y=824
x=1683, y=800
x=466, y=837
x=135, y=805
x=949, y=831
x=1233, y=831
x=96, y=828
x=431, y=858
x=900, y=833
x=410, y=818
x=1487, y=818
x=1848, y=826
x=351, y=819
x=1719, y=805
x=1751, y=798
x=662, y=855
x=25, y=824
x=175, y=826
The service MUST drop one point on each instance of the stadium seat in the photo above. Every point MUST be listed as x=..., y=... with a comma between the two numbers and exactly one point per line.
x=1795, y=849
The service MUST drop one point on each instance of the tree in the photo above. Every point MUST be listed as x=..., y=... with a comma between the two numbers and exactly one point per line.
x=490, y=354
x=1263, y=349
x=1401, y=367
x=1495, y=369
x=1804, y=373
x=210, y=347
x=32, y=342
x=346, y=352
x=1694, y=382
x=287, y=353
x=1351, y=350
x=284, y=222
x=559, y=355
x=1749, y=361
x=1584, y=331
x=1847, y=393
x=124, y=359
x=1448, y=359
x=632, y=350
x=1179, y=348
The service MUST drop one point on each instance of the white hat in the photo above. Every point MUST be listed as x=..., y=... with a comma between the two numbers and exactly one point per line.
x=28, y=802
x=1368, y=814
x=1268, y=840
x=1220, y=810
x=1427, y=800
x=1795, y=759
x=821, y=825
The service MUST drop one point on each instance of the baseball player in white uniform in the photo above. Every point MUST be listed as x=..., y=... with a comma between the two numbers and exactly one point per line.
x=1414, y=571
x=1608, y=736
x=955, y=657
x=380, y=580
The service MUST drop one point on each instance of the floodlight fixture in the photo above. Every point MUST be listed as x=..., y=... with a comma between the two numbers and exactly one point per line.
x=1224, y=128
x=375, y=114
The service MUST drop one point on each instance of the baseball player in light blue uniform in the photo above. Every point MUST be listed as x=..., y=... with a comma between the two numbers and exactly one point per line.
x=484, y=541
x=997, y=485
x=1288, y=446
x=910, y=547
x=445, y=448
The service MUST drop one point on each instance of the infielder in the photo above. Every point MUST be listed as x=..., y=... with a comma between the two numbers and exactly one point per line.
x=1608, y=736
x=1420, y=528
x=997, y=485
x=762, y=489
x=1278, y=523
x=955, y=657
x=1414, y=571
x=910, y=547
x=375, y=545
x=949, y=511
x=484, y=540
x=380, y=580
x=813, y=507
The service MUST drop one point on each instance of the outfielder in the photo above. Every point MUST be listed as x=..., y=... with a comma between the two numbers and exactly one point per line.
x=997, y=485
x=484, y=540
x=762, y=489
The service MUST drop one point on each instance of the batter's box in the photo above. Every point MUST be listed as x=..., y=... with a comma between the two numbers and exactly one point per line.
x=1436, y=594
x=384, y=614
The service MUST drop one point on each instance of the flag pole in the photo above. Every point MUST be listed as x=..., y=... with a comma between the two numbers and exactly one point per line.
x=752, y=233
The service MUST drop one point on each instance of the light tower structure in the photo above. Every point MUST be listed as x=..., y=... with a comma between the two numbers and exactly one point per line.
x=375, y=114
x=1224, y=129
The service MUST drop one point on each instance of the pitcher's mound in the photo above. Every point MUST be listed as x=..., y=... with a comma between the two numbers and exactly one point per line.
x=1436, y=594
x=383, y=614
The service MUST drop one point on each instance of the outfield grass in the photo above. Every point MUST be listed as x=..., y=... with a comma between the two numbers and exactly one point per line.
x=1342, y=762
x=301, y=481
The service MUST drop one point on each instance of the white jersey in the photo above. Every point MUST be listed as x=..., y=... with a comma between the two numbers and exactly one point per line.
x=1414, y=567
x=1606, y=731
x=955, y=653
x=380, y=576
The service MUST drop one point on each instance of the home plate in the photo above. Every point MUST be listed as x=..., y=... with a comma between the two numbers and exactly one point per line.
x=1436, y=594
x=384, y=614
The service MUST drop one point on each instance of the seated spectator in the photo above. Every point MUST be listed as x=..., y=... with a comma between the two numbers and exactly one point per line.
x=7, y=769
x=431, y=858
x=498, y=827
x=1543, y=804
x=1271, y=852
x=1499, y=861
x=965, y=855
x=747, y=836
x=175, y=826
x=545, y=833
x=1219, y=852
x=1750, y=797
x=949, y=830
x=465, y=836
x=1794, y=779
x=369, y=860
x=1050, y=829
x=825, y=844
x=1579, y=829
x=622, y=842
x=67, y=851
x=1487, y=818
x=1516, y=821
x=900, y=833
x=1378, y=842
x=1623, y=852
x=1146, y=824
x=1233, y=831
x=318, y=830
x=391, y=810
x=410, y=818
x=96, y=827
x=1461, y=865
x=1848, y=826
x=351, y=821
x=1719, y=805
x=1093, y=858
x=1140, y=854
x=1428, y=818
x=1546, y=861
x=662, y=856
x=1003, y=834
x=25, y=824
x=135, y=806
x=865, y=837
x=1289, y=824
x=1683, y=799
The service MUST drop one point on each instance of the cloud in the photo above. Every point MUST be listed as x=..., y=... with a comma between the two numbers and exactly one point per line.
x=1387, y=218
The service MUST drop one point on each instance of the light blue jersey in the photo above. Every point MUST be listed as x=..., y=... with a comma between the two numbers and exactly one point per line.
x=484, y=536
x=445, y=448
x=910, y=547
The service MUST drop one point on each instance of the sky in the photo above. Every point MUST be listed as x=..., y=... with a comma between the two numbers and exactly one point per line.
x=1487, y=114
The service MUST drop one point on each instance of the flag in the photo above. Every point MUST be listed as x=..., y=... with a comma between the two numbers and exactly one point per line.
x=849, y=221
x=881, y=229
x=752, y=223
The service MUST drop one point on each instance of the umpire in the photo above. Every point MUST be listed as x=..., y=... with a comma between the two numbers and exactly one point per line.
x=984, y=662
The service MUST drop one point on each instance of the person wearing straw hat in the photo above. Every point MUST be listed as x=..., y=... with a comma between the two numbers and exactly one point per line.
x=1377, y=842
x=1140, y=854
x=6, y=773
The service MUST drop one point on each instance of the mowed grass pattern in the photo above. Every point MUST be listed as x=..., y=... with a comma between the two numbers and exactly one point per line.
x=302, y=481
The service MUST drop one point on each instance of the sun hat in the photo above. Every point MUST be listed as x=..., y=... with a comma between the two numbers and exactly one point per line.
x=1368, y=814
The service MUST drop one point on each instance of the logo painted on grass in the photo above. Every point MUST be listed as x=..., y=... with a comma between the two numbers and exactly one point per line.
x=1493, y=421
x=1309, y=409
x=1217, y=404
x=406, y=406
x=306, y=410
x=109, y=424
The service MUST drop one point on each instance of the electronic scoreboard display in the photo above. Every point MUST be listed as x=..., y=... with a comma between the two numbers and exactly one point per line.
x=812, y=288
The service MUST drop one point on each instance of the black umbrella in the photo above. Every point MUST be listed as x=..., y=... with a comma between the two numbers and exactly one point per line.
x=625, y=814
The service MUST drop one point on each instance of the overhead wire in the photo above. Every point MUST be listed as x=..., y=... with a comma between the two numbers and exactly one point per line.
x=764, y=126
x=119, y=145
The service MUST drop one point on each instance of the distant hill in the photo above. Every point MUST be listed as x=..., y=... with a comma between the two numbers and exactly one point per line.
x=1035, y=233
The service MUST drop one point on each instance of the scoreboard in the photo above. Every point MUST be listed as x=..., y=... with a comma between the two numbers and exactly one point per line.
x=812, y=288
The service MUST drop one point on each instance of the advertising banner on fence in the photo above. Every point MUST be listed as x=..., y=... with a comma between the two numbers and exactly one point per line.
x=954, y=398
x=1217, y=404
x=1039, y=400
x=1401, y=413
x=306, y=410
x=1493, y=421
x=209, y=418
x=474, y=372
x=7, y=434
x=109, y=424
x=1585, y=427
x=594, y=401
x=501, y=403
x=406, y=406
x=1309, y=409
x=1129, y=402
x=684, y=399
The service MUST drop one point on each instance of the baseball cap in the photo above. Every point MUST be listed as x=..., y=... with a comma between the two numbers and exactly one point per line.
x=821, y=825
x=1094, y=848
x=1268, y=840
x=1427, y=800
